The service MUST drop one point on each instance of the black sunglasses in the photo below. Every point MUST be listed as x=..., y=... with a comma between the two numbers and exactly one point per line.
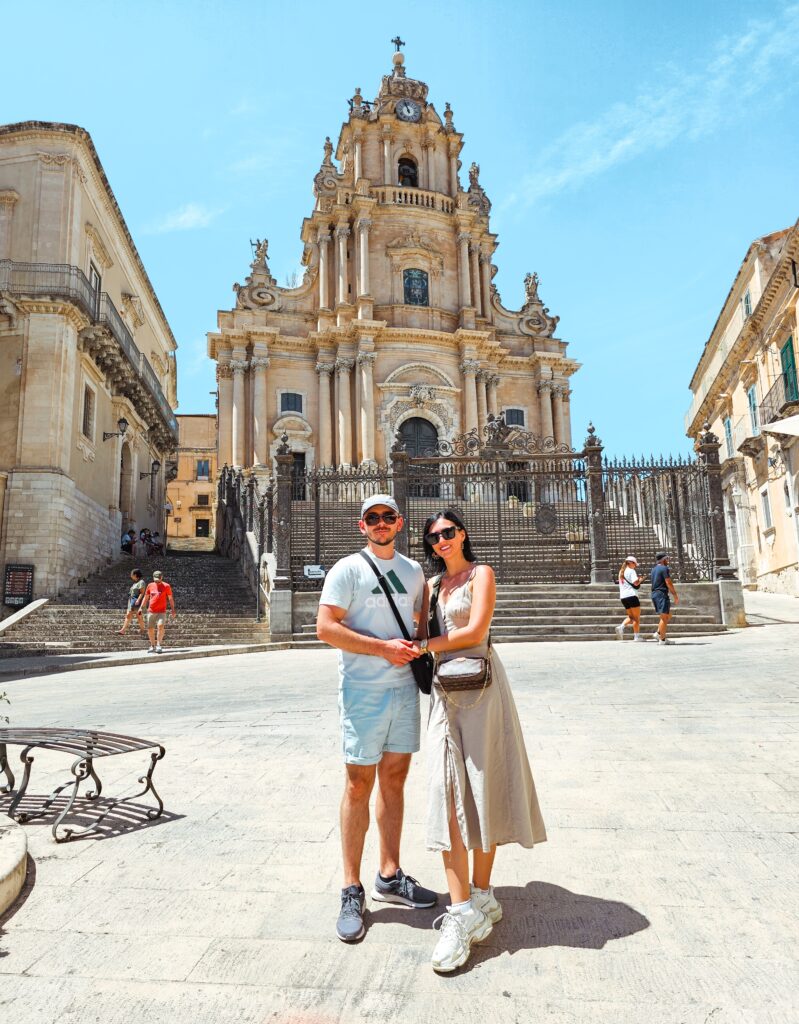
x=446, y=534
x=373, y=518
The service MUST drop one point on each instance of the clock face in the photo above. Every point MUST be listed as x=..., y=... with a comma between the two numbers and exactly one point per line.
x=408, y=110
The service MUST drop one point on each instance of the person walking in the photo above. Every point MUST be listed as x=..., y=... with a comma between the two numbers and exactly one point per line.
x=135, y=598
x=156, y=596
x=378, y=703
x=481, y=791
x=629, y=582
x=662, y=593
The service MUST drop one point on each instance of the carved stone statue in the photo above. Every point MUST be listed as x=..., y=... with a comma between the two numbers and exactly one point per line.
x=261, y=251
x=474, y=176
x=531, y=289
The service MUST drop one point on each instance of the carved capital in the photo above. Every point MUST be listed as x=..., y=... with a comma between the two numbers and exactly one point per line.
x=363, y=224
x=366, y=357
x=260, y=362
x=325, y=369
x=8, y=197
x=464, y=237
x=342, y=231
x=493, y=380
x=223, y=371
x=323, y=236
x=344, y=365
x=469, y=366
x=238, y=365
x=544, y=387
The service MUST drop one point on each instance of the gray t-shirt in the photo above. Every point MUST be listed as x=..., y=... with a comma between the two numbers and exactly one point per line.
x=352, y=584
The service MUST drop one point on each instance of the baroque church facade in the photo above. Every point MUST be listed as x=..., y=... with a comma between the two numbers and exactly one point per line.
x=396, y=331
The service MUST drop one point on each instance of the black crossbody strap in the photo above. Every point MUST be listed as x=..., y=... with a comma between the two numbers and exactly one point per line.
x=381, y=579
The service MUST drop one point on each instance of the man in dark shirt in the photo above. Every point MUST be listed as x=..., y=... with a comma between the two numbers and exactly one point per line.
x=662, y=592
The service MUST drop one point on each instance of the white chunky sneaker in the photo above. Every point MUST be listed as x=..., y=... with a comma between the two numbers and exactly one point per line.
x=639, y=639
x=619, y=631
x=486, y=901
x=458, y=932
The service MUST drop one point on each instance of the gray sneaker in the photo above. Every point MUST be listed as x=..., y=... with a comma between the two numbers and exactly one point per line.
x=403, y=889
x=349, y=926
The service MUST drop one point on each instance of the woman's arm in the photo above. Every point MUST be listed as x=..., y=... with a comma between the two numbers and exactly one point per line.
x=421, y=622
x=484, y=595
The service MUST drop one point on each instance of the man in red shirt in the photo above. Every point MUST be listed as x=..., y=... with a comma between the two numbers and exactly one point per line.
x=155, y=598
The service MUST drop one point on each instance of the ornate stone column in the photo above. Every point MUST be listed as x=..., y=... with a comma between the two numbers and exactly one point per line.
x=358, y=158
x=260, y=437
x=485, y=277
x=8, y=198
x=492, y=382
x=708, y=451
x=366, y=361
x=388, y=176
x=567, y=416
x=344, y=418
x=474, y=266
x=239, y=367
x=342, y=234
x=545, y=407
x=469, y=368
x=453, y=172
x=224, y=383
x=362, y=227
x=463, y=268
x=557, y=413
x=325, y=371
x=482, y=378
x=324, y=269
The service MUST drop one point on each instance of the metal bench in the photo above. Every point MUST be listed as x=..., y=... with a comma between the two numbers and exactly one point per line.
x=88, y=745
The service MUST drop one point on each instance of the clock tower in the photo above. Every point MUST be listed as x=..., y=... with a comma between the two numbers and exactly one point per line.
x=397, y=330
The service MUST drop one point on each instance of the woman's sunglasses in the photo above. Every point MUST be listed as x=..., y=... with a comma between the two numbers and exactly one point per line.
x=446, y=534
x=373, y=518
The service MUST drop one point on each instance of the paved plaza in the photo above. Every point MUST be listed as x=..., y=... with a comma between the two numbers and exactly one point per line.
x=668, y=778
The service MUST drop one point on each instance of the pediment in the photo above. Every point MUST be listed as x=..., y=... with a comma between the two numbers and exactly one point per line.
x=292, y=424
x=418, y=373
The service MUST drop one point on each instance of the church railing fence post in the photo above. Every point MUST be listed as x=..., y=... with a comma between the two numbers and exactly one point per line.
x=597, y=529
x=708, y=451
x=399, y=481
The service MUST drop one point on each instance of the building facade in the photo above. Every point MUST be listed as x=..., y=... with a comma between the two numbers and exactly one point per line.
x=396, y=331
x=87, y=367
x=744, y=384
x=192, y=494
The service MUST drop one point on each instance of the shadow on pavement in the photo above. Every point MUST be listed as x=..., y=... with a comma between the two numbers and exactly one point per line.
x=19, y=903
x=117, y=820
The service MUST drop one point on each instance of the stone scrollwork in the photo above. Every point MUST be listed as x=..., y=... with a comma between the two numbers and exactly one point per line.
x=422, y=394
x=535, y=316
x=260, y=288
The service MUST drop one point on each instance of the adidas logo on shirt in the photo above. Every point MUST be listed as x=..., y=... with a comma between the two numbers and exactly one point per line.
x=394, y=584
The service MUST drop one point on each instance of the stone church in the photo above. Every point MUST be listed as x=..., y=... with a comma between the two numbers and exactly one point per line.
x=396, y=331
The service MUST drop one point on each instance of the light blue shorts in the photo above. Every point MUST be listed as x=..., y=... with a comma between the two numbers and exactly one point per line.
x=375, y=721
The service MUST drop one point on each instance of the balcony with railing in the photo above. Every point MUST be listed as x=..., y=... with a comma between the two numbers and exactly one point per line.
x=62, y=281
x=404, y=195
x=781, y=400
x=746, y=436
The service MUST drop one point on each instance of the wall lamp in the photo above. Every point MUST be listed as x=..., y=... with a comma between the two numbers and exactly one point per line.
x=153, y=472
x=123, y=424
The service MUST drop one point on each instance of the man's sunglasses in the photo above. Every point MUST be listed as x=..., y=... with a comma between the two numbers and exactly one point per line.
x=373, y=518
x=446, y=534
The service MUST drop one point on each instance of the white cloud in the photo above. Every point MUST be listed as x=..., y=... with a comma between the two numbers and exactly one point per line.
x=184, y=218
x=683, y=104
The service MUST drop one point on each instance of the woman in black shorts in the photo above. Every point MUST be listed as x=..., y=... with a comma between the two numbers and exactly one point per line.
x=629, y=582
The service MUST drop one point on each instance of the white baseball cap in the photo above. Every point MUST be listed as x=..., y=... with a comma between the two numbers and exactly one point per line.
x=631, y=558
x=379, y=499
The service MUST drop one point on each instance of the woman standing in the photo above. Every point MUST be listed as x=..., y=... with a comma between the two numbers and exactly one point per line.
x=629, y=582
x=135, y=596
x=481, y=791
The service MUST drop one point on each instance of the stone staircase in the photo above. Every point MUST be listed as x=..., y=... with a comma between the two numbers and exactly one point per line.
x=214, y=605
x=531, y=612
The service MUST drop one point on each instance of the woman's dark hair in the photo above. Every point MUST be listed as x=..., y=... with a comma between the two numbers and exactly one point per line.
x=453, y=517
x=137, y=573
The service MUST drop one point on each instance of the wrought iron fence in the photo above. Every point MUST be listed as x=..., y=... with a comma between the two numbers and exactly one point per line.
x=783, y=392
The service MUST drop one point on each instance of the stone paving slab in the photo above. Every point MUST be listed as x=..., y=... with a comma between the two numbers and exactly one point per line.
x=666, y=893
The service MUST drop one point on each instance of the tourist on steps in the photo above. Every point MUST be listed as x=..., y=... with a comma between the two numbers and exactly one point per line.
x=155, y=600
x=378, y=703
x=481, y=791
x=629, y=582
x=662, y=592
x=135, y=598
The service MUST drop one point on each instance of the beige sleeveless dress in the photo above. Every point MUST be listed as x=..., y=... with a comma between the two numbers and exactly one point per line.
x=477, y=755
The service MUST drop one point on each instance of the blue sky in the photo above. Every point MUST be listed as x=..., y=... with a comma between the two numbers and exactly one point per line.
x=631, y=151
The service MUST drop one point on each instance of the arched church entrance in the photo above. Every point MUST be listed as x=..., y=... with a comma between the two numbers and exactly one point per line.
x=419, y=438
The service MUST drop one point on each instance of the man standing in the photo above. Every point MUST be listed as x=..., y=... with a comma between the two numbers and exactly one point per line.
x=662, y=592
x=378, y=704
x=155, y=598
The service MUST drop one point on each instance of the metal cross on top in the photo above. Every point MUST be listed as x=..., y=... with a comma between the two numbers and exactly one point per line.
x=398, y=42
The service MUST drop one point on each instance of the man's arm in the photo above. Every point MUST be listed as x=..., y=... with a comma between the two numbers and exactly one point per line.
x=331, y=630
x=145, y=601
x=672, y=591
x=171, y=600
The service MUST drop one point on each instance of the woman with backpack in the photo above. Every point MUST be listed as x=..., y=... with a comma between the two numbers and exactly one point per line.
x=629, y=582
